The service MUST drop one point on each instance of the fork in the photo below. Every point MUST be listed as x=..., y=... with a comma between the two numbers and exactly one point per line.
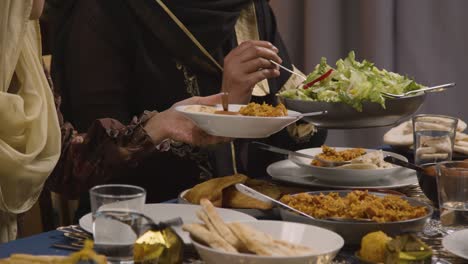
x=437, y=88
x=288, y=70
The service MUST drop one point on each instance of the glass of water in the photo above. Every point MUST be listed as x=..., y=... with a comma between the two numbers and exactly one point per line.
x=452, y=187
x=116, y=211
x=434, y=136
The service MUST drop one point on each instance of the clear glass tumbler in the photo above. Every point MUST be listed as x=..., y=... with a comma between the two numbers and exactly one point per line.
x=452, y=187
x=115, y=210
x=434, y=136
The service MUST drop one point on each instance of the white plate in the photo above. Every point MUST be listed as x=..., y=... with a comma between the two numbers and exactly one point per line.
x=162, y=212
x=238, y=126
x=325, y=244
x=347, y=176
x=457, y=243
x=287, y=171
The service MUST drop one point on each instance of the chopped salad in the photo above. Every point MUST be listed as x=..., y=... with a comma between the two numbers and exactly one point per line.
x=351, y=82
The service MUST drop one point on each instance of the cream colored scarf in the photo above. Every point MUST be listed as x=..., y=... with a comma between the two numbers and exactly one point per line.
x=29, y=129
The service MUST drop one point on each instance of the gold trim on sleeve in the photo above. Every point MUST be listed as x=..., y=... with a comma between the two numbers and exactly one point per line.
x=247, y=29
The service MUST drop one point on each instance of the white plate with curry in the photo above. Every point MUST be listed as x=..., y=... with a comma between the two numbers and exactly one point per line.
x=288, y=172
x=214, y=121
x=362, y=170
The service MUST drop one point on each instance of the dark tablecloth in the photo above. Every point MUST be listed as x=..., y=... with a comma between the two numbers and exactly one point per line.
x=36, y=245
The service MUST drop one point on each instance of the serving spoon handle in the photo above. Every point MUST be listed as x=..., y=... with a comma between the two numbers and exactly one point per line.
x=403, y=163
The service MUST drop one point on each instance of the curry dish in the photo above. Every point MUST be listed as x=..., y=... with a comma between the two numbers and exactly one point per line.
x=264, y=110
x=332, y=154
x=355, y=205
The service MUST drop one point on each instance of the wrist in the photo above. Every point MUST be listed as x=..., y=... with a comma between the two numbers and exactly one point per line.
x=156, y=128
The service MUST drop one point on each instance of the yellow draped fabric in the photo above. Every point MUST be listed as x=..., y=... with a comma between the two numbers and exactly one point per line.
x=29, y=129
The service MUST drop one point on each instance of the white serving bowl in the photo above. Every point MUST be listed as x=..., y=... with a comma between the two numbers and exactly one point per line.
x=238, y=126
x=325, y=243
x=347, y=176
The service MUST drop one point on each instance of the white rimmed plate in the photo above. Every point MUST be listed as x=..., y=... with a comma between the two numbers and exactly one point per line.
x=338, y=175
x=162, y=212
x=288, y=172
x=457, y=243
x=325, y=243
x=238, y=126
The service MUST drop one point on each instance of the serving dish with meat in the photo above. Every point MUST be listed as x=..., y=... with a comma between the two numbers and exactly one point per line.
x=389, y=213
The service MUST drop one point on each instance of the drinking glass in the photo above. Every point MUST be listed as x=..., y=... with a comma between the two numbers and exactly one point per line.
x=452, y=187
x=434, y=136
x=116, y=211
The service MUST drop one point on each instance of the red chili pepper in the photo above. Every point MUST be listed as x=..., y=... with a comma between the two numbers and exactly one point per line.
x=321, y=78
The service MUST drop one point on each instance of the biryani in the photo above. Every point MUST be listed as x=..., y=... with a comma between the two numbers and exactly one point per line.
x=355, y=205
x=331, y=154
x=263, y=110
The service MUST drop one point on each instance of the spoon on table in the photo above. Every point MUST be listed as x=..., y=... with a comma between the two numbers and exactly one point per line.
x=266, y=199
x=437, y=88
x=327, y=163
x=427, y=170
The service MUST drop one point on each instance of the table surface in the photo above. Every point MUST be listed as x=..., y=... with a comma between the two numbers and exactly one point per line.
x=42, y=244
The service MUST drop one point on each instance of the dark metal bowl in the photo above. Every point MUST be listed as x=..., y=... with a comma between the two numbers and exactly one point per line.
x=352, y=232
x=428, y=184
x=341, y=115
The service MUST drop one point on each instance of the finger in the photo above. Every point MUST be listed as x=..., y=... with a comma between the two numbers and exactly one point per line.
x=252, y=43
x=259, y=76
x=256, y=64
x=259, y=52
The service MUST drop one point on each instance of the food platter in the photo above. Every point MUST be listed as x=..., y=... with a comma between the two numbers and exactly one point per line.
x=353, y=231
x=344, y=116
x=238, y=126
x=288, y=172
x=344, y=176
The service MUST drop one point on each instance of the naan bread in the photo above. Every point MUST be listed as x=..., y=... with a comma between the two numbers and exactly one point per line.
x=212, y=239
x=263, y=244
x=461, y=149
x=213, y=189
x=214, y=219
x=402, y=134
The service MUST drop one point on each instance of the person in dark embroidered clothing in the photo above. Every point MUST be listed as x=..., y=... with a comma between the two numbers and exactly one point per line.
x=117, y=59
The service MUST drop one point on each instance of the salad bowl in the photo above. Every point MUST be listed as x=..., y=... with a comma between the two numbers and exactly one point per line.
x=342, y=116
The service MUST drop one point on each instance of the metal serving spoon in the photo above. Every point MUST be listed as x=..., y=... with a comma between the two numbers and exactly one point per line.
x=327, y=163
x=225, y=101
x=437, y=88
x=266, y=199
x=288, y=70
